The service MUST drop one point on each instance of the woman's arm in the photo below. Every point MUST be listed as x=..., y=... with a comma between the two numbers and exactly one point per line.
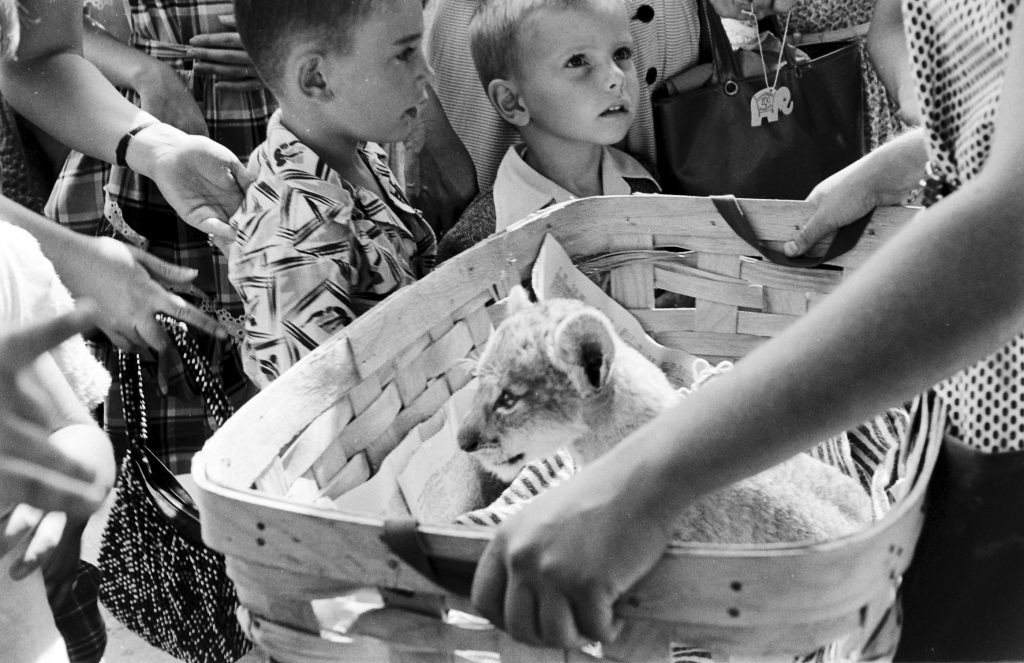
x=126, y=283
x=887, y=48
x=162, y=92
x=945, y=292
x=52, y=85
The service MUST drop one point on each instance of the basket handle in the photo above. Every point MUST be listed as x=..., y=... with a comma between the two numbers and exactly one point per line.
x=402, y=537
x=845, y=239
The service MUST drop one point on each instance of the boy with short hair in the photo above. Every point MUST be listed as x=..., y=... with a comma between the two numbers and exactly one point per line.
x=561, y=72
x=326, y=232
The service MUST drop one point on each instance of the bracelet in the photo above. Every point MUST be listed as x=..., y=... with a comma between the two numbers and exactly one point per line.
x=122, y=145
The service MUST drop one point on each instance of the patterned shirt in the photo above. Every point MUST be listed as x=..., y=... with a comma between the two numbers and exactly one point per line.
x=313, y=251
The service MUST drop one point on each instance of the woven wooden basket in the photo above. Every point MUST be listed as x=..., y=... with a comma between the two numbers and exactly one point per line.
x=395, y=368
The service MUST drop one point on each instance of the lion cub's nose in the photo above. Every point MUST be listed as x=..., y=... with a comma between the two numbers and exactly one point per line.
x=469, y=439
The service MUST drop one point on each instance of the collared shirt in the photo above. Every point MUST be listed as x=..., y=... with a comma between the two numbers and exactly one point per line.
x=666, y=39
x=524, y=191
x=519, y=190
x=313, y=251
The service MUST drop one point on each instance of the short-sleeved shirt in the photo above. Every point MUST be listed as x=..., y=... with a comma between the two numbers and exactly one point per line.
x=666, y=39
x=519, y=191
x=313, y=251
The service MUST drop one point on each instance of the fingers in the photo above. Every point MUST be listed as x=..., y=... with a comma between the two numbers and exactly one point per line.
x=161, y=270
x=596, y=620
x=204, y=219
x=151, y=334
x=488, y=593
x=248, y=85
x=179, y=309
x=40, y=544
x=20, y=347
x=54, y=483
x=241, y=175
x=220, y=43
x=233, y=72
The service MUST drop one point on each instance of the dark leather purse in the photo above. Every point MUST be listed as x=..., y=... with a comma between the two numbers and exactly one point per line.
x=744, y=137
x=159, y=578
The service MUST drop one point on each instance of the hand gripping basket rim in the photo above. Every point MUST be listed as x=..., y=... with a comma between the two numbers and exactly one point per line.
x=395, y=366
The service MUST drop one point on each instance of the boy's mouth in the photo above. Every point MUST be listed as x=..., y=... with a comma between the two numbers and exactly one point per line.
x=616, y=109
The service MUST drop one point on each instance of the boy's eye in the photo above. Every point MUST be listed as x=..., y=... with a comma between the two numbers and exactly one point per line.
x=506, y=401
x=578, y=60
x=624, y=53
x=407, y=54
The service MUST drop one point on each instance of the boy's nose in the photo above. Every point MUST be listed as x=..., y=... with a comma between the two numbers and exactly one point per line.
x=615, y=76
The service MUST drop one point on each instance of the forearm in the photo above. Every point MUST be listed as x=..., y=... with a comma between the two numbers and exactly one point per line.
x=119, y=63
x=897, y=167
x=887, y=48
x=946, y=292
x=58, y=243
x=101, y=115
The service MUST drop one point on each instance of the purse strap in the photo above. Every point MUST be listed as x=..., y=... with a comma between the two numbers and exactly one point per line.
x=197, y=371
x=845, y=238
x=727, y=70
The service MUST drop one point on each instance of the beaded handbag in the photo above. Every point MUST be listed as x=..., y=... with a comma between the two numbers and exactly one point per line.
x=159, y=579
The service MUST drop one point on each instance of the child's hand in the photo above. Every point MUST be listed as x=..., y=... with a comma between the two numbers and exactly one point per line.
x=33, y=469
x=222, y=55
x=163, y=94
x=32, y=535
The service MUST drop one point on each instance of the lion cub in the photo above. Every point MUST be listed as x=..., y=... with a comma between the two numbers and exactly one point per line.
x=555, y=375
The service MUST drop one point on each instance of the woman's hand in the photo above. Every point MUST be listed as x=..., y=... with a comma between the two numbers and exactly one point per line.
x=553, y=572
x=743, y=8
x=201, y=179
x=128, y=286
x=163, y=94
x=221, y=54
x=33, y=468
x=883, y=177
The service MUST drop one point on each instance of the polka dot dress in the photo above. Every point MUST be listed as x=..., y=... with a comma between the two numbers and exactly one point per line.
x=959, y=51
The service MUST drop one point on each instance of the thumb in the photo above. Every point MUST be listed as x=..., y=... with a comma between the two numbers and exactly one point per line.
x=161, y=270
x=22, y=346
x=817, y=227
x=241, y=174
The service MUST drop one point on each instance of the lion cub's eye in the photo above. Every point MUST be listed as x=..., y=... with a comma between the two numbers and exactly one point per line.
x=506, y=400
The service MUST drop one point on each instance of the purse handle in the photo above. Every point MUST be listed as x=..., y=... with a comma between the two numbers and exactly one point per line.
x=169, y=495
x=726, y=69
x=845, y=238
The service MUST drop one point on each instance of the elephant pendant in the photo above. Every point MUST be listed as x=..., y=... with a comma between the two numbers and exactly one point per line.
x=768, y=103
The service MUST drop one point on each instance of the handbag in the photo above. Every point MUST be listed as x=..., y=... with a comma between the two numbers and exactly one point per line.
x=159, y=579
x=774, y=135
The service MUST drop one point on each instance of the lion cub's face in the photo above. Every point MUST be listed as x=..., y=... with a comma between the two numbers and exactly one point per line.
x=534, y=374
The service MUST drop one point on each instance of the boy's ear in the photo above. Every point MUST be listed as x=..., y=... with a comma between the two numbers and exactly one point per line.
x=504, y=96
x=312, y=80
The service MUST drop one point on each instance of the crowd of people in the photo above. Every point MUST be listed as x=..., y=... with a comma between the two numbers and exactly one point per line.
x=126, y=134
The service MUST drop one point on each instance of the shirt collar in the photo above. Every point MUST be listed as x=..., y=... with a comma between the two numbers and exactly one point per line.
x=519, y=190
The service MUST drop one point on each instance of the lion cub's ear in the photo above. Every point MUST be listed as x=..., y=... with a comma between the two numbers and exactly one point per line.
x=518, y=300
x=583, y=346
